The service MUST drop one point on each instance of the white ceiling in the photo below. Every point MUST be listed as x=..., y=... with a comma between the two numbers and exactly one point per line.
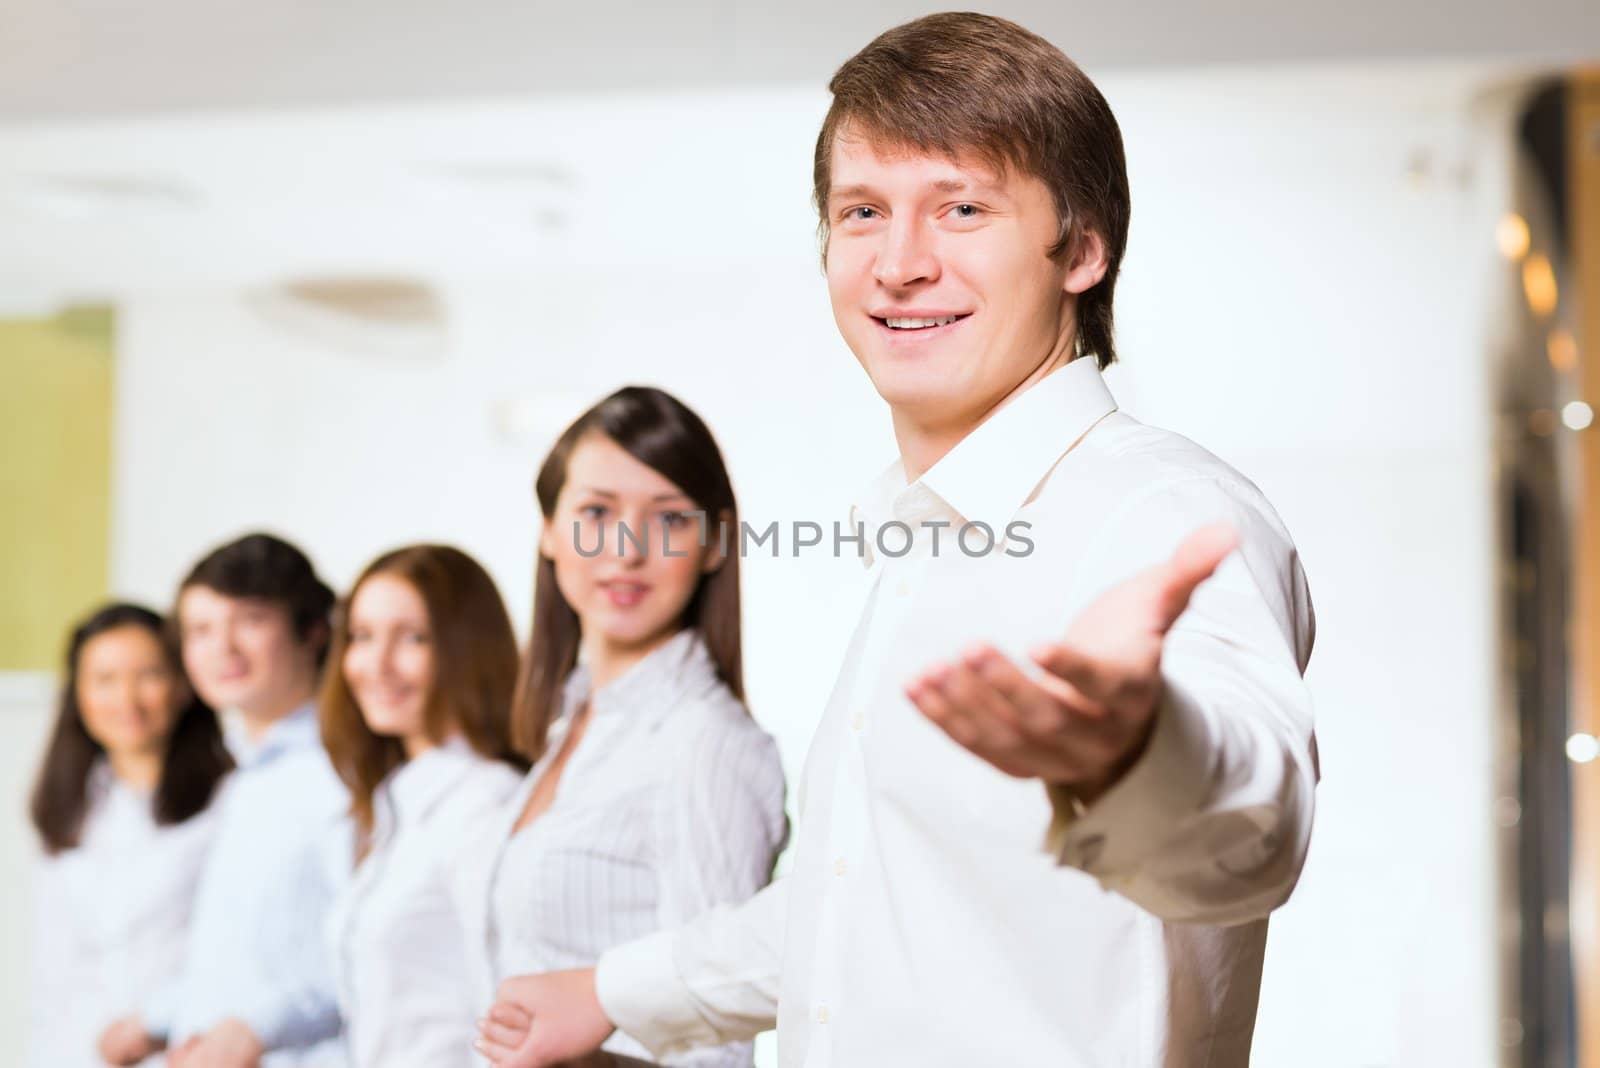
x=627, y=185
x=73, y=58
x=188, y=144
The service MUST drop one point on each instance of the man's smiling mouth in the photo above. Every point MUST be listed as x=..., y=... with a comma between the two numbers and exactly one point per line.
x=919, y=322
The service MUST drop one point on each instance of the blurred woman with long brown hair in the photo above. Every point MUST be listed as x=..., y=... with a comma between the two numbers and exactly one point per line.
x=653, y=796
x=415, y=718
x=123, y=809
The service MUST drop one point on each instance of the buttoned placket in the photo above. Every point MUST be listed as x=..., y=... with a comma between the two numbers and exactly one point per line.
x=894, y=586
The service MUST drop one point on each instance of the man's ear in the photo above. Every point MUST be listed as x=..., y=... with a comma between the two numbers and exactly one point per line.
x=1089, y=263
x=319, y=638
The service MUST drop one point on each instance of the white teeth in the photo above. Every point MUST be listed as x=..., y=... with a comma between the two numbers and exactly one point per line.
x=919, y=324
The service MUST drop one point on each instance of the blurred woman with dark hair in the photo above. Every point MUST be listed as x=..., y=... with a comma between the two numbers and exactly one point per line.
x=653, y=795
x=415, y=717
x=122, y=806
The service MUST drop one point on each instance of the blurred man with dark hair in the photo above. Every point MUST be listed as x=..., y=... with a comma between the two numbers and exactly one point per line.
x=253, y=622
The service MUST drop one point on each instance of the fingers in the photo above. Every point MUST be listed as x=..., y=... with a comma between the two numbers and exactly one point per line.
x=511, y=1015
x=503, y=1031
x=493, y=1052
x=498, y=1034
x=965, y=704
x=1195, y=560
x=1083, y=673
x=1041, y=706
x=1022, y=725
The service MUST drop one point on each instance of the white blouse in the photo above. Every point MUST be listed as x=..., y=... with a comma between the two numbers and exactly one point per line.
x=395, y=936
x=110, y=919
x=671, y=803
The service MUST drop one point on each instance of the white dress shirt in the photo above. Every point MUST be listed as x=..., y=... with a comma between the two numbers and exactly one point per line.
x=110, y=919
x=671, y=803
x=940, y=912
x=257, y=946
x=399, y=953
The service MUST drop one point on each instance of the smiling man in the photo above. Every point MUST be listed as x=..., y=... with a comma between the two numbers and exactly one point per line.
x=1056, y=792
x=256, y=989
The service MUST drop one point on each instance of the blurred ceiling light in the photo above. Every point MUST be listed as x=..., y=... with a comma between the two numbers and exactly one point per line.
x=1543, y=422
x=1582, y=748
x=1511, y=234
x=83, y=196
x=1563, y=349
x=398, y=319
x=1539, y=284
x=1577, y=415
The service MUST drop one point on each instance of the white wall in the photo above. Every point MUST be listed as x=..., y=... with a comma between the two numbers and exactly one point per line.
x=1300, y=296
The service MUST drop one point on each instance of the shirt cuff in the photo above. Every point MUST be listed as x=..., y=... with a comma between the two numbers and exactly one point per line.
x=642, y=992
x=1112, y=837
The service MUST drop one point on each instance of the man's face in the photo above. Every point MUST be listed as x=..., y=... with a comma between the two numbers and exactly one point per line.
x=941, y=281
x=243, y=653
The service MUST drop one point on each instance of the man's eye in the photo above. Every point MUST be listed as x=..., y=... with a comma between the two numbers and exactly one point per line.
x=593, y=511
x=967, y=211
x=861, y=214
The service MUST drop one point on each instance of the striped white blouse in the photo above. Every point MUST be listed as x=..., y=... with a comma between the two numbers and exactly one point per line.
x=672, y=803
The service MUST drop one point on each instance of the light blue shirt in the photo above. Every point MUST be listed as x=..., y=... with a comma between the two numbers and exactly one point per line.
x=256, y=949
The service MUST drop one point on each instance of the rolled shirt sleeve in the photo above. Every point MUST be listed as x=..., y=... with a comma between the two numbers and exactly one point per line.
x=1212, y=823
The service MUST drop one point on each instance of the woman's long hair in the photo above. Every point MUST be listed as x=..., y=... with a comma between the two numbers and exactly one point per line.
x=195, y=761
x=475, y=670
x=662, y=433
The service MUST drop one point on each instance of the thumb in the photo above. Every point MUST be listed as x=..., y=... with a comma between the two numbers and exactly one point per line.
x=1195, y=560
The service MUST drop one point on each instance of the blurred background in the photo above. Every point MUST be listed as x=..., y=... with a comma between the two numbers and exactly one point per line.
x=342, y=271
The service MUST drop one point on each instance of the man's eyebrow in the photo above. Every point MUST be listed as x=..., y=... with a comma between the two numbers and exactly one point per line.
x=961, y=185
x=943, y=185
x=848, y=192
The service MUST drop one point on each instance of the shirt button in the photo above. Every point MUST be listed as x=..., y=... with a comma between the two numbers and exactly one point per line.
x=840, y=867
x=859, y=723
x=902, y=589
x=822, y=1014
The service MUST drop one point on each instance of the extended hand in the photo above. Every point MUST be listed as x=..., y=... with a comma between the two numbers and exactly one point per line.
x=1084, y=720
x=543, y=1020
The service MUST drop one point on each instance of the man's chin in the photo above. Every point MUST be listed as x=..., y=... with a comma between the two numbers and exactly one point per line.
x=921, y=393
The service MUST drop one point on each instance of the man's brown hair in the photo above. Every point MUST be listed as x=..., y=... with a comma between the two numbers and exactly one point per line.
x=959, y=83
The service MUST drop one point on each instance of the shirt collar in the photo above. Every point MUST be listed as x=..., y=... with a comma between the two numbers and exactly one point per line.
x=419, y=784
x=992, y=471
x=298, y=730
x=680, y=665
